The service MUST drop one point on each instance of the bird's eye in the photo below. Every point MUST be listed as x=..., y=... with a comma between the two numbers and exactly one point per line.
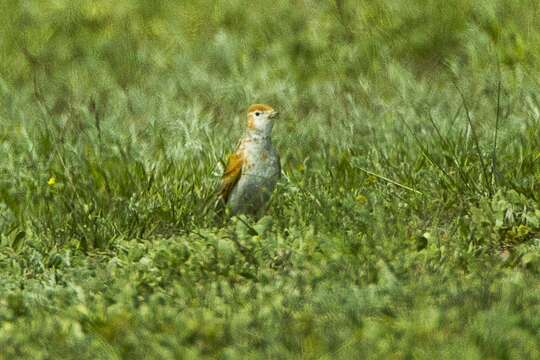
x=257, y=113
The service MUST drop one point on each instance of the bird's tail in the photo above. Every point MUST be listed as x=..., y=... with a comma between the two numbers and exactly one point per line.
x=216, y=207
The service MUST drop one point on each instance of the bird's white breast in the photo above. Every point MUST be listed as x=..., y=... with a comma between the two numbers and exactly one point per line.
x=260, y=173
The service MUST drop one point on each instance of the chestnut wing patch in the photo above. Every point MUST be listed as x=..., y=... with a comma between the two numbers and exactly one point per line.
x=231, y=175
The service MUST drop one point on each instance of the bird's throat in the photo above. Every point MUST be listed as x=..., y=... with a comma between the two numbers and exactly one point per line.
x=258, y=135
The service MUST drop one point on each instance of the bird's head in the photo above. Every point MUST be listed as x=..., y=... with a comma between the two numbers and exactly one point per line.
x=260, y=119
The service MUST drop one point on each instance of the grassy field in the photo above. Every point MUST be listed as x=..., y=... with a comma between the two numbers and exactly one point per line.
x=406, y=224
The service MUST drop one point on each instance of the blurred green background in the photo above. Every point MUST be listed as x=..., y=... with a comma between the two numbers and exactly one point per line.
x=81, y=49
x=406, y=225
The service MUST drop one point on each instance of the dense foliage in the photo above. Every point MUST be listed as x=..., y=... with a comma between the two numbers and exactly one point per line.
x=406, y=225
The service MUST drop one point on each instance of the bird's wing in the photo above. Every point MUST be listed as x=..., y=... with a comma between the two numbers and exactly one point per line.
x=231, y=175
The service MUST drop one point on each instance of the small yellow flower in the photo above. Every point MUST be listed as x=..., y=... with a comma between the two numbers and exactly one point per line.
x=371, y=179
x=361, y=199
x=52, y=181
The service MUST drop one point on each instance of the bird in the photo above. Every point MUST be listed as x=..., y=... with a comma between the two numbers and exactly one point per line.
x=254, y=168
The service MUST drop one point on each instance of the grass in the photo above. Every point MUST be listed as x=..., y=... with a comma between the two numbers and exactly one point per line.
x=406, y=224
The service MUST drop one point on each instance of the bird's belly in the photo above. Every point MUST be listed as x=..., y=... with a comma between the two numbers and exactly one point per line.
x=253, y=189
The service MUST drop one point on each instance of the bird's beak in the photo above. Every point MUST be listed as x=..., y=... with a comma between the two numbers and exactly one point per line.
x=274, y=114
